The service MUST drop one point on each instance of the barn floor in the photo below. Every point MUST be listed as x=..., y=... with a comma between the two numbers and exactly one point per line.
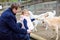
x=47, y=34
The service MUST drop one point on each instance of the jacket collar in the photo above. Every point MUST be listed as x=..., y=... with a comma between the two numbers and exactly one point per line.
x=11, y=11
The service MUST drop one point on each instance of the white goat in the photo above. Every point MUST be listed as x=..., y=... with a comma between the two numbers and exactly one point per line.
x=41, y=17
x=53, y=23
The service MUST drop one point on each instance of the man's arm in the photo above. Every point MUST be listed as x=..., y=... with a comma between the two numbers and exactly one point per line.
x=13, y=25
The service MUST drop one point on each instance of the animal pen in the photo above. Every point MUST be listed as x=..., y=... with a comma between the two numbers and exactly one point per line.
x=37, y=9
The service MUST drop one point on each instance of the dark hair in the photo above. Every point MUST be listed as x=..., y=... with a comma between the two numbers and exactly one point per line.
x=15, y=5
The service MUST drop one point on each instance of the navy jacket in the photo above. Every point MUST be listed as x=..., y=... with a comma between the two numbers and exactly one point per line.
x=9, y=28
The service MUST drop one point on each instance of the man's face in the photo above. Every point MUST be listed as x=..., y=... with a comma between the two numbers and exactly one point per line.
x=14, y=10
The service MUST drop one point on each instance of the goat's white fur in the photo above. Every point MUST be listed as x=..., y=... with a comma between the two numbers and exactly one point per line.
x=53, y=23
x=41, y=17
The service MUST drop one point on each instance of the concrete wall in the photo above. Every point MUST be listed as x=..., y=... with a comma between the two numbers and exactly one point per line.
x=58, y=8
x=42, y=7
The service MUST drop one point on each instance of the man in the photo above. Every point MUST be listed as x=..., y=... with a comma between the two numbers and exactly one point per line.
x=9, y=28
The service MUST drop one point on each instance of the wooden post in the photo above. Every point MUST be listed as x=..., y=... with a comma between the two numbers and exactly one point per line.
x=37, y=37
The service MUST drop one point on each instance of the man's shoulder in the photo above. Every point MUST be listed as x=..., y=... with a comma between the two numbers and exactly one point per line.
x=6, y=13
